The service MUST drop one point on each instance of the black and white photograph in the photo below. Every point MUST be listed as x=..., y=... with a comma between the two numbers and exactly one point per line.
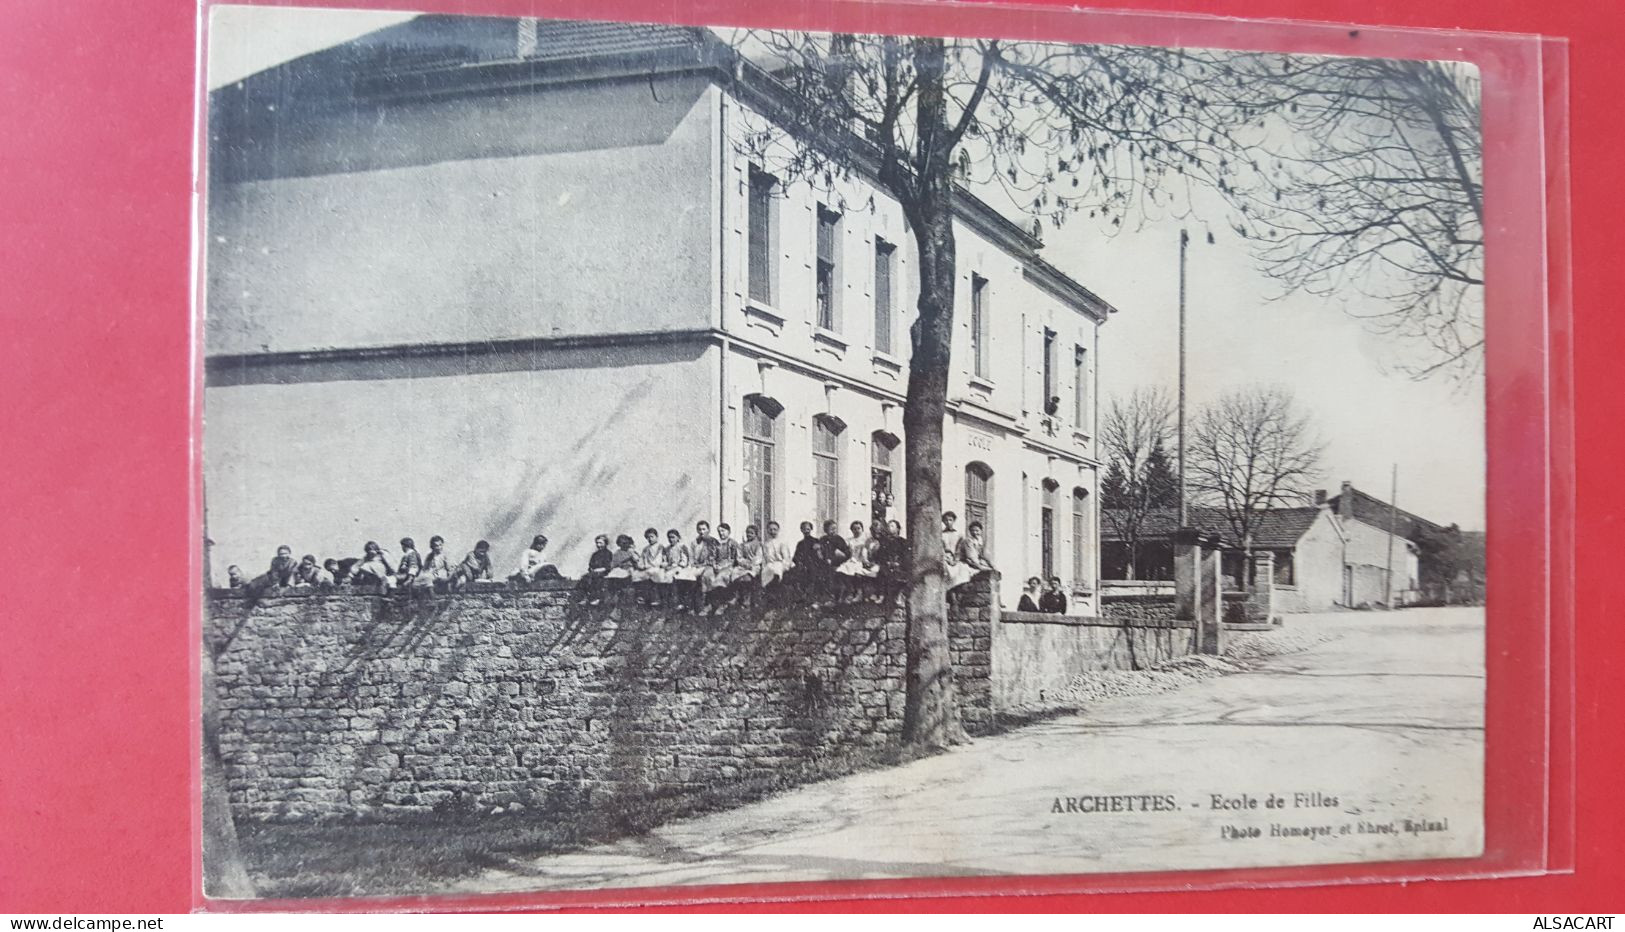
x=642, y=455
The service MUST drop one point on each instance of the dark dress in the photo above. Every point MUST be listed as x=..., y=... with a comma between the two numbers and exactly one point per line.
x=1027, y=604
x=411, y=564
x=892, y=556
x=835, y=549
x=809, y=558
x=597, y=571
x=1052, y=602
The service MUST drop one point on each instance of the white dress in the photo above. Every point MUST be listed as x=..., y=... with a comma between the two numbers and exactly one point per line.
x=957, y=573
x=861, y=563
x=653, y=567
x=776, y=558
x=529, y=564
x=680, y=562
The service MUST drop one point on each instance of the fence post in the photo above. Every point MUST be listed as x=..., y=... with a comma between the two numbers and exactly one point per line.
x=1261, y=593
x=1198, y=586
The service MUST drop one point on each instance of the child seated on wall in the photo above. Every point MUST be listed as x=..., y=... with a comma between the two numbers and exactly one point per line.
x=531, y=565
x=598, y=566
x=623, y=563
x=475, y=568
x=652, y=575
x=374, y=568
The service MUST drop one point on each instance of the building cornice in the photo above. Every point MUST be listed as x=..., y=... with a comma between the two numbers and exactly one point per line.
x=230, y=368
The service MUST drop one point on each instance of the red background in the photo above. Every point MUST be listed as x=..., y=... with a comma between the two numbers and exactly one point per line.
x=96, y=535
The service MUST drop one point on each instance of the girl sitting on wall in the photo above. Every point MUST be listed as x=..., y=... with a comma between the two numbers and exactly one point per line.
x=748, y=566
x=598, y=565
x=476, y=567
x=860, y=567
x=680, y=563
x=531, y=563
x=373, y=568
x=973, y=552
x=437, y=568
x=623, y=563
x=410, y=565
x=777, y=555
x=653, y=571
x=956, y=573
x=721, y=569
x=836, y=551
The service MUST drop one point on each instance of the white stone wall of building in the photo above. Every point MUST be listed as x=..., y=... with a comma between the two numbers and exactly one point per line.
x=997, y=419
x=1368, y=552
x=593, y=441
x=571, y=211
x=1336, y=554
x=528, y=237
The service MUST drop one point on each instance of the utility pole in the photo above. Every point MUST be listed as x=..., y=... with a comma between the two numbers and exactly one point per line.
x=1393, y=519
x=1184, y=516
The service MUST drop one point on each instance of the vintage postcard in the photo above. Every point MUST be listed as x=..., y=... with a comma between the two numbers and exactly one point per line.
x=640, y=455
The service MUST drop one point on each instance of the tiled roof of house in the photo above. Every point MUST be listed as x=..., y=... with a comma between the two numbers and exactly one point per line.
x=1376, y=512
x=1275, y=529
x=1280, y=528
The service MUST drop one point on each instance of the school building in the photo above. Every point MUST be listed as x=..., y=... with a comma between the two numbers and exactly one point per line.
x=486, y=277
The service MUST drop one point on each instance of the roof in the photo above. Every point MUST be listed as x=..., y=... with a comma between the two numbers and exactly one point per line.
x=1275, y=529
x=1281, y=527
x=433, y=54
x=1376, y=512
x=441, y=55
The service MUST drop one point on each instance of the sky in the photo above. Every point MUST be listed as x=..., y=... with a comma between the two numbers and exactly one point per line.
x=244, y=39
x=1371, y=419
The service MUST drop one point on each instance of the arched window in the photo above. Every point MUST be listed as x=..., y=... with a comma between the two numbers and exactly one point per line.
x=882, y=468
x=1081, y=548
x=827, y=468
x=1046, y=529
x=979, y=497
x=760, y=431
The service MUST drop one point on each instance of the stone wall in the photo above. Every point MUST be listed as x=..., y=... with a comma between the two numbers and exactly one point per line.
x=355, y=706
x=1036, y=656
x=1238, y=609
x=1137, y=609
x=1288, y=600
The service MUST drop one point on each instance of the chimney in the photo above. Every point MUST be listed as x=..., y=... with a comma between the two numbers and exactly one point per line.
x=1320, y=496
x=1345, y=501
x=525, y=37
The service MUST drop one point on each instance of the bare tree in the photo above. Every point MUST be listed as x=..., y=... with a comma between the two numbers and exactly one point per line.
x=225, y=871
x=1133, y=430
x=1368, y=189
x=1063, y=129
x=1250, y=451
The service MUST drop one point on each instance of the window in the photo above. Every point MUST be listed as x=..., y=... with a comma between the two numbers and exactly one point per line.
x=1051, y=394
x=1283, y=568
x=829, y=224
x=761, y=458
x=979, y=498
x=827, y=469
x=1080, y=387
x=885, y=260
x=760, y=230
x=1046, y=530
x=978, y=326
x=1080, y=538
x=882, y=488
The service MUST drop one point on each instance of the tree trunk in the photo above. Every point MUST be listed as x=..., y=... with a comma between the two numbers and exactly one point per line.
x=931, y=720
x=225, y=874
